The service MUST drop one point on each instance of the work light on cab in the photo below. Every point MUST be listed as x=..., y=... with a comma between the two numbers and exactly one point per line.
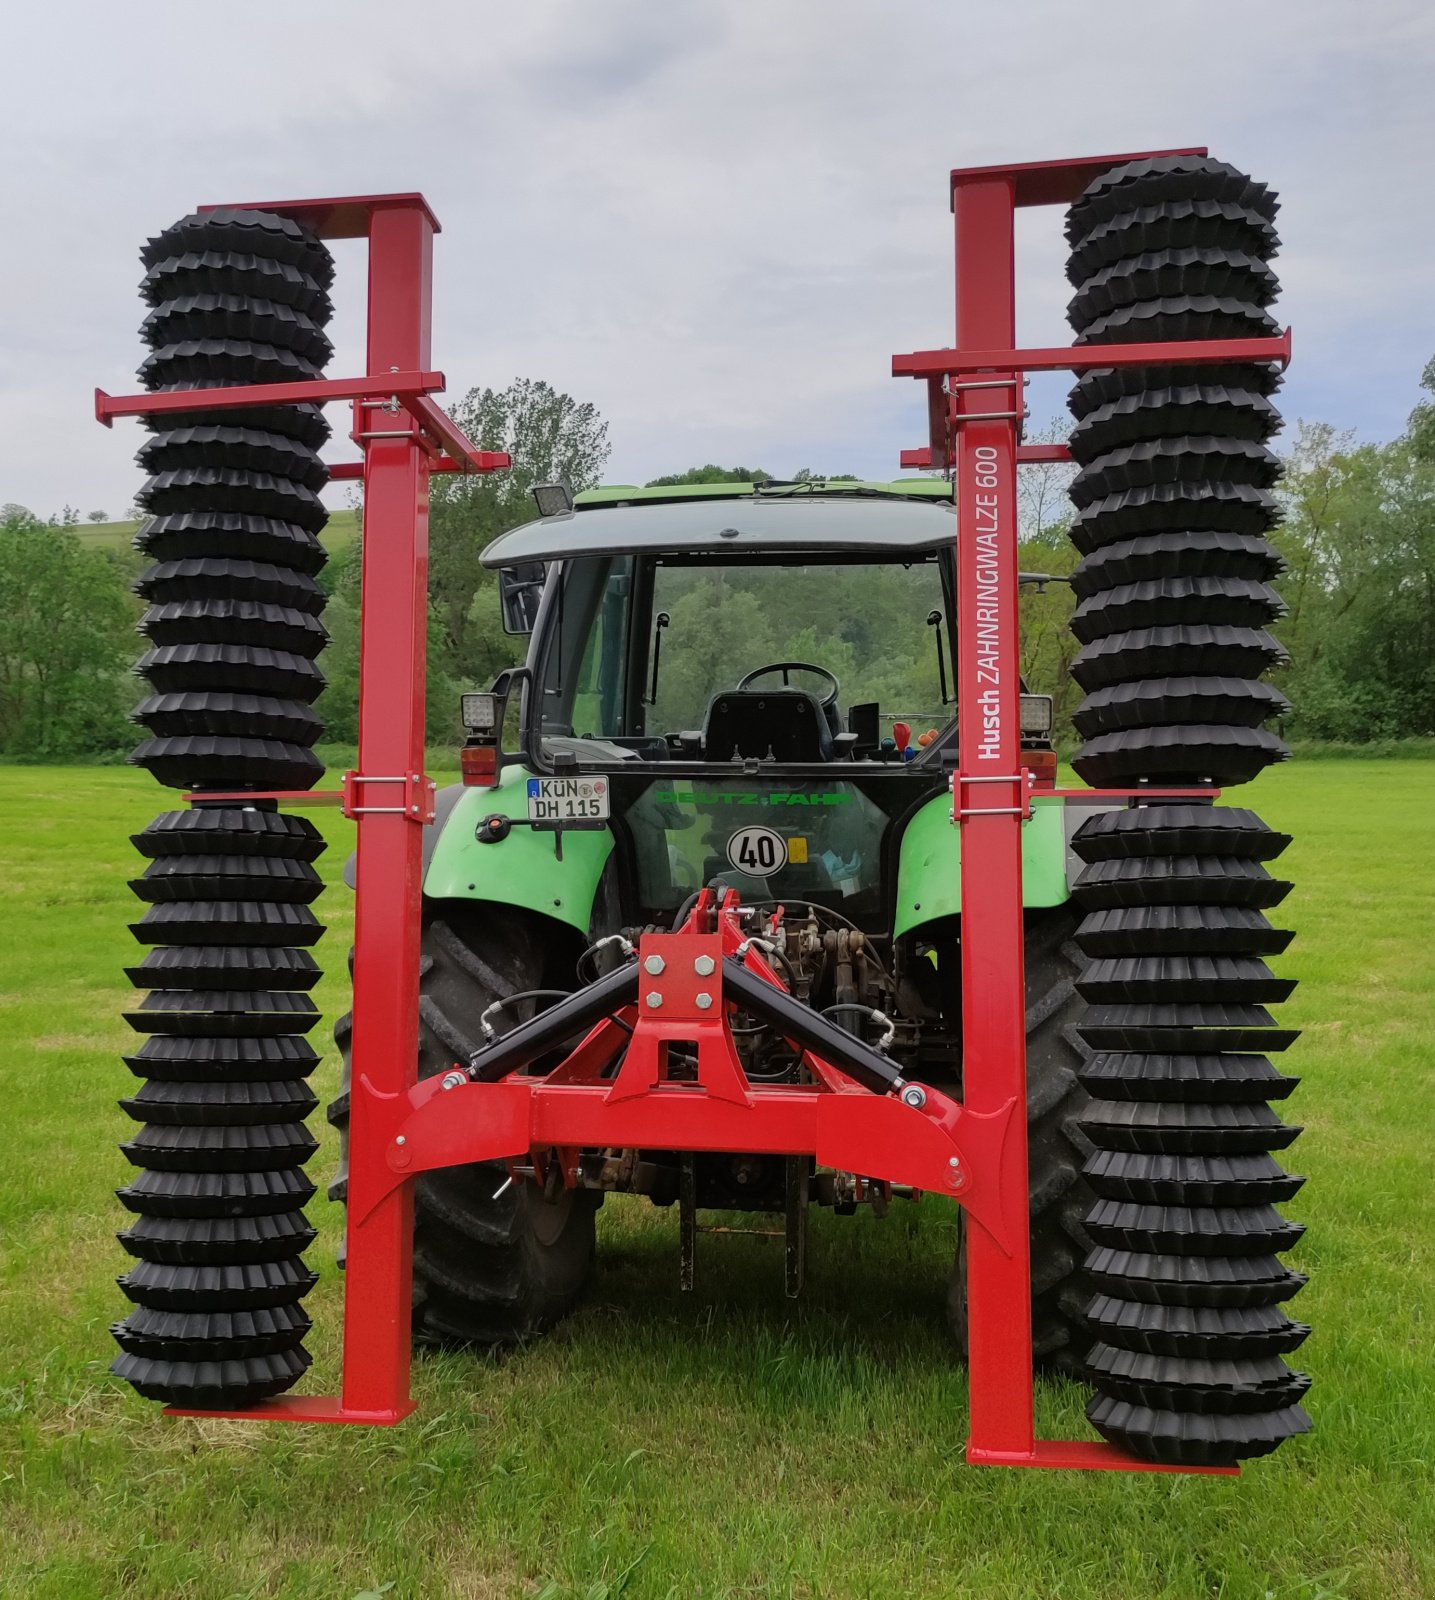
x=478, y=760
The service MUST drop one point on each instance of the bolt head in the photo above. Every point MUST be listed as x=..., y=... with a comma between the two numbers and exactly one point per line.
x=451, y=1080
x=704, y=966
x=654, y=1000
x=654, y=965
x=955, y=1164
x=400, y=1140
x=914, y=1095
x=703, y=1002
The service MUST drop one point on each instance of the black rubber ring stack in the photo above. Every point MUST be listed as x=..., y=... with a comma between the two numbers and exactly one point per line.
x=1174, y=504
x=233, y=630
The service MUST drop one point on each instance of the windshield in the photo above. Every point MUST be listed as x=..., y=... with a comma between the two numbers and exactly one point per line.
x=711, y=623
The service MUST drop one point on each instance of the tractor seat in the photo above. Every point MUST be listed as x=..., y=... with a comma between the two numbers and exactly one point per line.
x=789, y=724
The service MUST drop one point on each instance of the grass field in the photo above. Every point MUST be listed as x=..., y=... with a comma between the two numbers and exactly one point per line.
x=723, y=1443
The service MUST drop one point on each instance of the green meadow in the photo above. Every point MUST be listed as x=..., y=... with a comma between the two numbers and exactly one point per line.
x=724, y=1443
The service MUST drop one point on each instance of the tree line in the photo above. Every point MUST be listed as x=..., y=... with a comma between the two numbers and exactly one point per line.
x=1358, y=538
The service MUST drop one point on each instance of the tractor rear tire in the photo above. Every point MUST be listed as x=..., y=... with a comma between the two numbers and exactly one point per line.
x=1056, y=1147
x=490, y=1269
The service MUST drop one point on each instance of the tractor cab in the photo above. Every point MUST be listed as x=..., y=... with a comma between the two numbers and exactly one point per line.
x=744, y=682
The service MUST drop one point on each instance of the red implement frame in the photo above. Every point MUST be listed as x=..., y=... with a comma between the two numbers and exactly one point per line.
x=403, y=437
x=975, y=412
x=612, y=1089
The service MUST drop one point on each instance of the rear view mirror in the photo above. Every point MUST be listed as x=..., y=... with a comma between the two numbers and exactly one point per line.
x=519, y=589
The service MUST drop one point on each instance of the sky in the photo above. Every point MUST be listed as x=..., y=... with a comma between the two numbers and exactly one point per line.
x=714, y=219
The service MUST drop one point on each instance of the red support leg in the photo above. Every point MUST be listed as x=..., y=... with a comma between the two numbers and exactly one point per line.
x=379, y=1270
x=989, y=813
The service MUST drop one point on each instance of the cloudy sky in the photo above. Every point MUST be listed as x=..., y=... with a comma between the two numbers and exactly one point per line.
x=715, y=219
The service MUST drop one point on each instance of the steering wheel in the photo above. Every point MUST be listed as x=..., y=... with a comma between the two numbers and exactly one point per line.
x=785, y=668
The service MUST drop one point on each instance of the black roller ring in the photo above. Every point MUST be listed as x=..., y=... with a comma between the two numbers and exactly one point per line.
x=304, y=422
x=262, y=1147
x=236, y=317
x=1182, y=1438
x=1194, y=1330
x=221, y=1013
x=1194, y=880
x=213, y=762
x=1181, y=1029
x=1148, y=979
x=1229, y=1079
x=1103, y=386
x=1156, y=556
x=1191, y=1230
x=242, y=1287
x=1177, y=1280
x=259, y=494
x=210, y=966
x=258, y=277
x=1187, y=1127
x=1172, y=508
x=217, y=1194
x=204, y=713
x=218, y=1241
x=1173, y=602
x=1174, y=459
x=260, y=233
x=1157, y=180
x=1180, y=930
x=200, y=1060
x=221, y=363
x=1183, y=650
x=1172, y=225
x=1193, y=754
x=1198, y=270
x=176, y=669
x=1177, y=830
x=244, y=622
x=229, y=877
x=227, y=922
x=1196, y=406
x=225, y=535
x=227, y=1103
x=1204, y=1385
x=224, y=578
x=230, y=831
x=1185, y=1180
x=238, y=446
x=1231, y=702
x=1181, y=316
x=211, y=1335
x=219, y=1385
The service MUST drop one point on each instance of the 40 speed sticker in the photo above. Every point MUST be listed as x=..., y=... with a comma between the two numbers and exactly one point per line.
x=758, y=852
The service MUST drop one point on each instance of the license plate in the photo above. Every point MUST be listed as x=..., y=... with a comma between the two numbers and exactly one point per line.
x=568, y=802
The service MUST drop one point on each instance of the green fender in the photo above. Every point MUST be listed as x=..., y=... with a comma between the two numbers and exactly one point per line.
x=523, y=868
x=929, y=866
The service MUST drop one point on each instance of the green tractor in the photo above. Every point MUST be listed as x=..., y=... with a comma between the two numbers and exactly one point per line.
x=739, y=685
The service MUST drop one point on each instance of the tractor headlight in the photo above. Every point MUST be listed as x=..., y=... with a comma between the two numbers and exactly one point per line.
x=480, y=713
x=1036, y=714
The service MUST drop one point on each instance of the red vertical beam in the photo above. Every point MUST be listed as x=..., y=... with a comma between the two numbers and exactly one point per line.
x=993, y=986
x=379, y=1271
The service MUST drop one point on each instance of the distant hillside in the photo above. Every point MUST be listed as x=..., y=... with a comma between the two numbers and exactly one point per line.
x=343, y=525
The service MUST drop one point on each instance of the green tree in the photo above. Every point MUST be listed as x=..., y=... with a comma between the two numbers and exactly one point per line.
x=1422, y=418
x=552, y=438
x=1359, y=540
x=66, y=638
x=710, y=474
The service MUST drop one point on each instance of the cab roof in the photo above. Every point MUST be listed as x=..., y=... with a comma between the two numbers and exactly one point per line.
x=731, y=518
